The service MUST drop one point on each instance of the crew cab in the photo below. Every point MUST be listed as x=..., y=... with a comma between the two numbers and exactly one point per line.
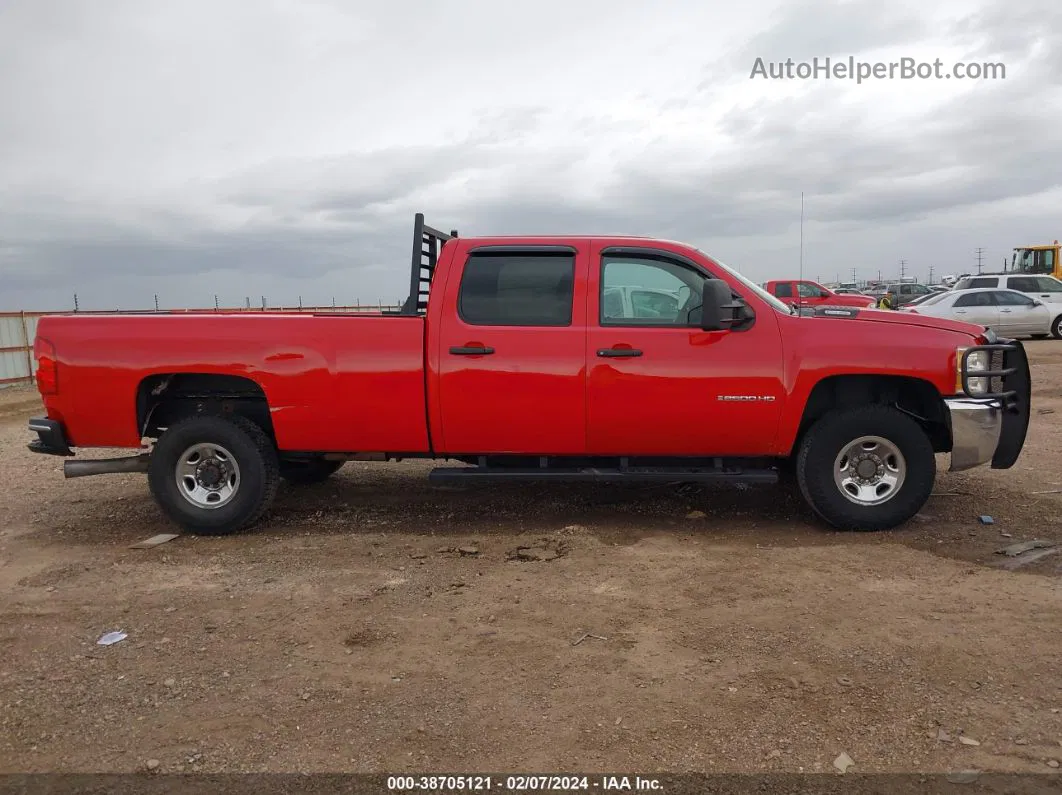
x=510, y=361
x=808, y=293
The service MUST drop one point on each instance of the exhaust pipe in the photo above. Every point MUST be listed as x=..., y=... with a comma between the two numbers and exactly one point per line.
x=107, y=466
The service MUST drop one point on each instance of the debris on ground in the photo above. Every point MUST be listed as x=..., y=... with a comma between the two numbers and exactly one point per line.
x=844, y=681
x=584, y=635
x=545, y=550
x=154, y=541
x=986, y=520
x=111, y=638
x=468, y=551
x=1025, y=546
x=152, y=764
x=1049, y=491
x=696, y=515
x=843, y=762
x=1026, y=552
x=967, y=740
x=1010, y=564
x=944, y=737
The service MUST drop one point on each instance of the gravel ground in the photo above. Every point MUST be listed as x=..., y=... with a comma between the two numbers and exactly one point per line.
x=376, y=624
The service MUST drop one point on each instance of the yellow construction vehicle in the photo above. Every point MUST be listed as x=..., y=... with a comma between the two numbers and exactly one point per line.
x=1036, y=259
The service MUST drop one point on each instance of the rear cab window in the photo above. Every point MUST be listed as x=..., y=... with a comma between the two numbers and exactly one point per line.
x=524, y=288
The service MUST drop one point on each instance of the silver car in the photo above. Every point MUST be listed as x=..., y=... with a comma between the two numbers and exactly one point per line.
x=1007, y=312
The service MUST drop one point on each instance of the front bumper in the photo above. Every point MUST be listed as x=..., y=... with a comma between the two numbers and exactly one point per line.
x=991, y=428
x=50, y=437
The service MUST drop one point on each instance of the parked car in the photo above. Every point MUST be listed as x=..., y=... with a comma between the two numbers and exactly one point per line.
x=506, y=359
x=905, y=292
x=808, y=293
x=1007, y=312
x=923, y=299
x=1043, y=288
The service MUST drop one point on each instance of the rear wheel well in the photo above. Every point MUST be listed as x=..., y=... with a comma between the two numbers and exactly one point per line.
x=166, y=398
x=915, y=397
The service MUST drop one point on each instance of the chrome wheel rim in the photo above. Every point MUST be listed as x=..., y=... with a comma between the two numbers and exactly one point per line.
x=207, y=475
x=1058, y=326
x=869, y=470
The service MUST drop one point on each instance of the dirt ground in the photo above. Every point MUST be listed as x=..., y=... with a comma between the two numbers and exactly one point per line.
x=376, y=624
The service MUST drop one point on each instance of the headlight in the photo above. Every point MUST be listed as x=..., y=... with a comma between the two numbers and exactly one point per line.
x=977, y=361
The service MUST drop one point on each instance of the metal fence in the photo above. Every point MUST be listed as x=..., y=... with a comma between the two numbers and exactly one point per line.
x=18, y=330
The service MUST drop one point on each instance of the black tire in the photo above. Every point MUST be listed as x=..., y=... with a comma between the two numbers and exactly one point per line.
x=1056, y=328
x=254, y=454
x=302, y=473
x=828, y=437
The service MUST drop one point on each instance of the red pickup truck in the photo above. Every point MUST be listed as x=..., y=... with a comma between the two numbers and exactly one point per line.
x=813, y=294
x=540, y=358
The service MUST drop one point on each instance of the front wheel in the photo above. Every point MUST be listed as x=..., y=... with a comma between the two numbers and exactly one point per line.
x=1056, y=328
x=869, y=468
x=214, y=475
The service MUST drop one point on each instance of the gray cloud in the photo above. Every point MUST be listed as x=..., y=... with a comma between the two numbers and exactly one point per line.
x=239, y=170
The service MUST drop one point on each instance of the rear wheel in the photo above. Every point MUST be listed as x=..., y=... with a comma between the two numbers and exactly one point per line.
x=870, y=468
x=1056, y=328
x=315, y=470
x=214, y=475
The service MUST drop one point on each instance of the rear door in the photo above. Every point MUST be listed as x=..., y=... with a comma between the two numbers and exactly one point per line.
x=1043, y=288
x=510, y=366
x=979, y=307
x=784, y=290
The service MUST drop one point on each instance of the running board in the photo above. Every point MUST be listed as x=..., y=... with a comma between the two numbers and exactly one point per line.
x=600, y=475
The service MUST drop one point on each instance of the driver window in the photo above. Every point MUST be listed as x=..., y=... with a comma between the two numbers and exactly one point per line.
x=809, y=291
x=646, y=291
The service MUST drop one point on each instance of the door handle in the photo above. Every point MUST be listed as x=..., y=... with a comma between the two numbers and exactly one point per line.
x=618, y=353
x=1005, y=310
x=458, y=350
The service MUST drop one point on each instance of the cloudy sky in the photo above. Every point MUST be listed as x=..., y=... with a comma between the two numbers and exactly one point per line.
x=279, y=148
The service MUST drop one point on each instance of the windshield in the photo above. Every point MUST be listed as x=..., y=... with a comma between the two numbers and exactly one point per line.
x=780, y=306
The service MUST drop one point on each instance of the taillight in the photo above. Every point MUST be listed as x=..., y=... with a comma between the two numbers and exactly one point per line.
x=47, y=367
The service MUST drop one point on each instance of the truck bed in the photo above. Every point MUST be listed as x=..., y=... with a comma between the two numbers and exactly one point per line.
x=343, y=383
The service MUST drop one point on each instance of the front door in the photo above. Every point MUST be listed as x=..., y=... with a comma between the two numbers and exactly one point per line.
x=812, y=294
x=1019, y=314
x=510, y=364
x=657, y=385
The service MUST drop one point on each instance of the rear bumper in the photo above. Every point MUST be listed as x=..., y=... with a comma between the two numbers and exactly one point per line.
x=992, y=428
x=51, y=440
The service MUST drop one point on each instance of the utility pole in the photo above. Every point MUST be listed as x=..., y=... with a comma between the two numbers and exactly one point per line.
x=156, y=302
x=903, y=269
x=853, y=275
x=980, y=252
x=75, y=302
x=930, y=274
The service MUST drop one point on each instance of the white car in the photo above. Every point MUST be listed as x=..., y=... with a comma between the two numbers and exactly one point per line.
x=1043, y=288
x=1007, y=312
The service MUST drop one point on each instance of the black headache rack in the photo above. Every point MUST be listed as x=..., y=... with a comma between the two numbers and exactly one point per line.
x=1011, y=384
x=427, y=244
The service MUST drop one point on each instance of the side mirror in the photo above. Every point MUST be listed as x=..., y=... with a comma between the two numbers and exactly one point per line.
x=719, y=310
